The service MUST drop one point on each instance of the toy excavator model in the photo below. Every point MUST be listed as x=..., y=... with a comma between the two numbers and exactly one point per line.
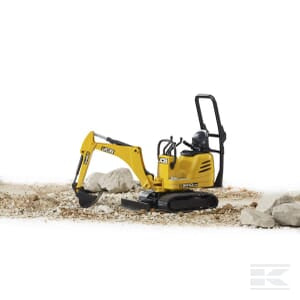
x=172, y=189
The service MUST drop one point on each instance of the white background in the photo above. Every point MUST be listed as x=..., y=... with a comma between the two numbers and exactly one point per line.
x=130, y=70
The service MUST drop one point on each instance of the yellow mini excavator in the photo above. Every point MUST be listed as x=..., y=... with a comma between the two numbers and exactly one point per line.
x=173, y=188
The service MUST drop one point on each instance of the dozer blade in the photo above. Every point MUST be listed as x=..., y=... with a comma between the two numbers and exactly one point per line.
x=135, y=205
x=86, y=198
x=187, y=201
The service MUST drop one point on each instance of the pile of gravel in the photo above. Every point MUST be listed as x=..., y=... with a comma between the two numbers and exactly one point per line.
x=53, y=201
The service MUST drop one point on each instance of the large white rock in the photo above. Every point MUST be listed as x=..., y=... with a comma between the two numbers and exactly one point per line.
x=116, y=181
x=287, y=214
x=250, y=216
x=92, y=182
x=269, y=201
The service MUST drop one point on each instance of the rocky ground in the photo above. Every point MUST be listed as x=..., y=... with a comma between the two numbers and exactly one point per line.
x=237, y=206
x=59, y=202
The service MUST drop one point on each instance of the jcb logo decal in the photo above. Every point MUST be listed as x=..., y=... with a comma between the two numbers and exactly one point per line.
x=108, y=150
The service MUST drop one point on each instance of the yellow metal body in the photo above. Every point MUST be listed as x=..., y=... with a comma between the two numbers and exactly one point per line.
x=188, y=172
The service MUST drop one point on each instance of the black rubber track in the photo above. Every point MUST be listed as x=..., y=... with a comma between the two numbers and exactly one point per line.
x=187, y=201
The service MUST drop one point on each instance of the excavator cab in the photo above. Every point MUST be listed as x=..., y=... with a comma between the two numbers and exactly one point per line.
x=198, y=152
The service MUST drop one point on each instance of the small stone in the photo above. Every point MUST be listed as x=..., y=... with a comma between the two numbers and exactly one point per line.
x=287, y=214
x=51, y=195
x=269, y=201
x=226, y=208
x=155, y=214
x=253, y=204
x=105, y=208
x=250, y=216
x=33, y=197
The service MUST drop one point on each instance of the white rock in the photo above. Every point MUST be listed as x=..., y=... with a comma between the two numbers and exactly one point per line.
x=51, y=195
x=269, y=201
x=287, y=214
x=250, y=216
x=92, y=182
x=117, y=181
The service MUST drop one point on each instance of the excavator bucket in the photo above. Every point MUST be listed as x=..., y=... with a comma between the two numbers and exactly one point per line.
x=87, y=198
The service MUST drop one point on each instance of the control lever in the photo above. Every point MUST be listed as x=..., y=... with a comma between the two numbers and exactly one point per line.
x=167, y=145
x=189, y=145
x=180, y=141
x=172, y=146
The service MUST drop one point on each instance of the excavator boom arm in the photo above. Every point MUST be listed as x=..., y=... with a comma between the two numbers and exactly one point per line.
x=132, y=155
